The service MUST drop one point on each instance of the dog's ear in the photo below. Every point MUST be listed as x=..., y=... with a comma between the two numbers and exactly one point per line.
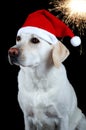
x=59, y=53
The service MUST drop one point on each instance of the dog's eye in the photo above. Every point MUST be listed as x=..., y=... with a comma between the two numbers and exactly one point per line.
x=18, y=38
x=34, y=40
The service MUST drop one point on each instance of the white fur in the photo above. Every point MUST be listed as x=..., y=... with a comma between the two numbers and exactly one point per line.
x=44, y=34
x=44, y=88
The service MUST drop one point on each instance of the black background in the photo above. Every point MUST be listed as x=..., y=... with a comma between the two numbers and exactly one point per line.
x=75, y=64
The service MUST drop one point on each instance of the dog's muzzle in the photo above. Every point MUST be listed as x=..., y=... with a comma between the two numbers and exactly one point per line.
x=13, y=55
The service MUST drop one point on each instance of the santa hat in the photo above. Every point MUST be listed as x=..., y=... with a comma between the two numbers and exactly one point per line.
x=48, y=27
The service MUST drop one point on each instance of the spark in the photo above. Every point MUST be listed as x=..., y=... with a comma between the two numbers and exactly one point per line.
x=73, y=12
x=77, y=8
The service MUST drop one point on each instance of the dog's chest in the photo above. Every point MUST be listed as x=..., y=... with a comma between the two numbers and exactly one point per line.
x=34, y=93
x=36, y=103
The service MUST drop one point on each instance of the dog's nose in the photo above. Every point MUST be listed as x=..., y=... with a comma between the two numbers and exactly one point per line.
x=13, y=52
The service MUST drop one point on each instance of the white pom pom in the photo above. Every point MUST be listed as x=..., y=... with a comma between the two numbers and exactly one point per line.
x=75, y=41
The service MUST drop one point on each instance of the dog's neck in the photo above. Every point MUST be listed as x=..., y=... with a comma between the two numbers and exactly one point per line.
x=40, y=77
x=40, y=71
x=37, y=76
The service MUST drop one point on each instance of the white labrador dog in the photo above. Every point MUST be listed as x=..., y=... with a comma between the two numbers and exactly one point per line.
x=45, y=95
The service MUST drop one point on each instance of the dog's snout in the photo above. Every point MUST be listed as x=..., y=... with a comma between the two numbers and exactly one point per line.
x=13, y=52
x=13, y=55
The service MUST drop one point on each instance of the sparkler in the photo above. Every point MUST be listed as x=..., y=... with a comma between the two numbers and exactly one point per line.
x=73, y=12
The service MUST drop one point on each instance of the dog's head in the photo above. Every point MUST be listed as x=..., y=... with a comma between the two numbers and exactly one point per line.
x=31, y=50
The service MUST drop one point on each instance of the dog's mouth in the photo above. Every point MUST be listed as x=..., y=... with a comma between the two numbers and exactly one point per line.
x=13, y=60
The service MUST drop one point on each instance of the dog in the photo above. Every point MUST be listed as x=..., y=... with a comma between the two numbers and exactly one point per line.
x=45, y=94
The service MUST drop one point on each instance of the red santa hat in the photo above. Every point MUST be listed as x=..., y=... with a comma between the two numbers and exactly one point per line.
x=49, y=27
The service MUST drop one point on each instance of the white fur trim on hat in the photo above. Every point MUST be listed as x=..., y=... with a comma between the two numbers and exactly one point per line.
x=49, y=37
x=75, y=41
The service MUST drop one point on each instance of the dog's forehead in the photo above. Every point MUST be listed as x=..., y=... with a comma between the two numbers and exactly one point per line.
x=27, y=35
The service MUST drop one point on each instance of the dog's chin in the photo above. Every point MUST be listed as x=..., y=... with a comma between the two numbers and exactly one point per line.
x=29, y=65
x=26, y=65
x=22, y=64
